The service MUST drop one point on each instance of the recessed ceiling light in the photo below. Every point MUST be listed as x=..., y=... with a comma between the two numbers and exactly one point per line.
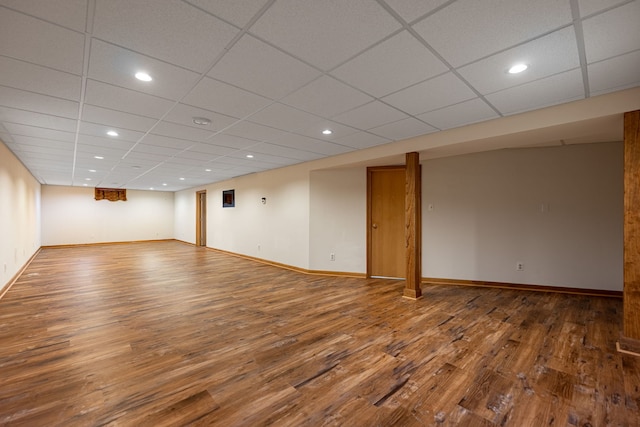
x=164, y=183
x=207, y=170
x=143, y=76
x=112, y=133
x=327, y=132
x=92, y=170
x=87, y=179
x=98, y=157
x=518, y=68
x=150, y=188
x=85, y=185
x=202, y=121
x=249, y=156
x=181, y=179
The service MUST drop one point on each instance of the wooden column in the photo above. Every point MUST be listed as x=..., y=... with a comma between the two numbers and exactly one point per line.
x=413, y=226
x=631, y=292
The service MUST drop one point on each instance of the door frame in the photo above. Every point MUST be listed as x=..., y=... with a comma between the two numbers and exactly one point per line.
x=370, y=171
x=201, y=218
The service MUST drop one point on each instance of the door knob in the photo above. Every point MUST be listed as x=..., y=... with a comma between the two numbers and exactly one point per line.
x=375, y=225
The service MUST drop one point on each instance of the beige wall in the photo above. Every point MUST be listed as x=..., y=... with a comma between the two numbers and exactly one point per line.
x=19, y=215
x=557, y=210
x=276, y=231
x=70, y=215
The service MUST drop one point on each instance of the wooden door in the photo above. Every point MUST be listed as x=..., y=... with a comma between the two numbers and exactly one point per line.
x=385, y=220
x=201, y=218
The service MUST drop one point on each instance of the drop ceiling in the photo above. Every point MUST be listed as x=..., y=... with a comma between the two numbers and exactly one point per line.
x=272, y=75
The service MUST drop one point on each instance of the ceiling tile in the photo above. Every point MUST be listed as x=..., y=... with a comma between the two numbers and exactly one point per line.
x=42, y=146
x=104, y=143
x=553, y=90
x=232, y=141
x=58, y=135
x=40, y=42
x=370, y=115
x=615, y=73
x=117, y=66
x=403, y=129
x=390, y=66
x=284, y=117
x=157, y=150
x=23, y=100
x=67, y=13
x=362, y=140
x=255, y=131
x=212, y=150
x=262, y=69
x=225, y=99
x=461, y=114
x=87, y=128
x=164, y=141
x=612, y=33
x=545, y=56
x=287, y=152
x=469, y=29
x=11, y=115
x=324, y=33
x=436, y=93
x=184, y=115
x=144, y=28
x=588, y=7
x=118, y=119
x=337, y=130
x=181, y=132
x=237, y=12
x=262, y=158
x=409, y=10
x=26, y=76
x=326, y=97
x=125, y=100
x=300, y=142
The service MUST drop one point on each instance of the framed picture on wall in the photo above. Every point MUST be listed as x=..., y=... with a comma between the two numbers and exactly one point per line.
x=228, y=198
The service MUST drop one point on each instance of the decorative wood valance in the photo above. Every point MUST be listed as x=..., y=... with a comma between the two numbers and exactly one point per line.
x=111, y=194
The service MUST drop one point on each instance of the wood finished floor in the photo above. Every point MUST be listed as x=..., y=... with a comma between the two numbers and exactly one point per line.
x=166, y=334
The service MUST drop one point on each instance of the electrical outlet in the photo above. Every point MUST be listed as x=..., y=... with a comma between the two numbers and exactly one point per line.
x=332, y=256
x=519, y=266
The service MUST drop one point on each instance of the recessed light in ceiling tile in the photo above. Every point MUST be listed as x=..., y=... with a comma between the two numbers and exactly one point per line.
x=87, y=179
x=151, y=188
x=181, y=179
x=327, y=132
x=112, y=133
x=98, y=157
x=249, y=156
x=164, y=184
x=92, y=170
x=143, y=76
x=518, y=68
x=207, y=170
x=85, y=185
x=201, y=121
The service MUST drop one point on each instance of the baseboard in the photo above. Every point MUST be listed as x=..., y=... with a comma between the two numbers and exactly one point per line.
x=16, y=276
x=521, y=287
x=291, y=267
x=73, y=245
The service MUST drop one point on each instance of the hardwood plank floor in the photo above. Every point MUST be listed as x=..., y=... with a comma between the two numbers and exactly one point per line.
x=169, y=334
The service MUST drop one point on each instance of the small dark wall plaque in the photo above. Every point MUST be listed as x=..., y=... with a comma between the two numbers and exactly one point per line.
x=228, y=198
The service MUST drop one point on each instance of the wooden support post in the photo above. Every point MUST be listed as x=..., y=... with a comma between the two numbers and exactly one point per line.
x=413, y=223
x=631, y=293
